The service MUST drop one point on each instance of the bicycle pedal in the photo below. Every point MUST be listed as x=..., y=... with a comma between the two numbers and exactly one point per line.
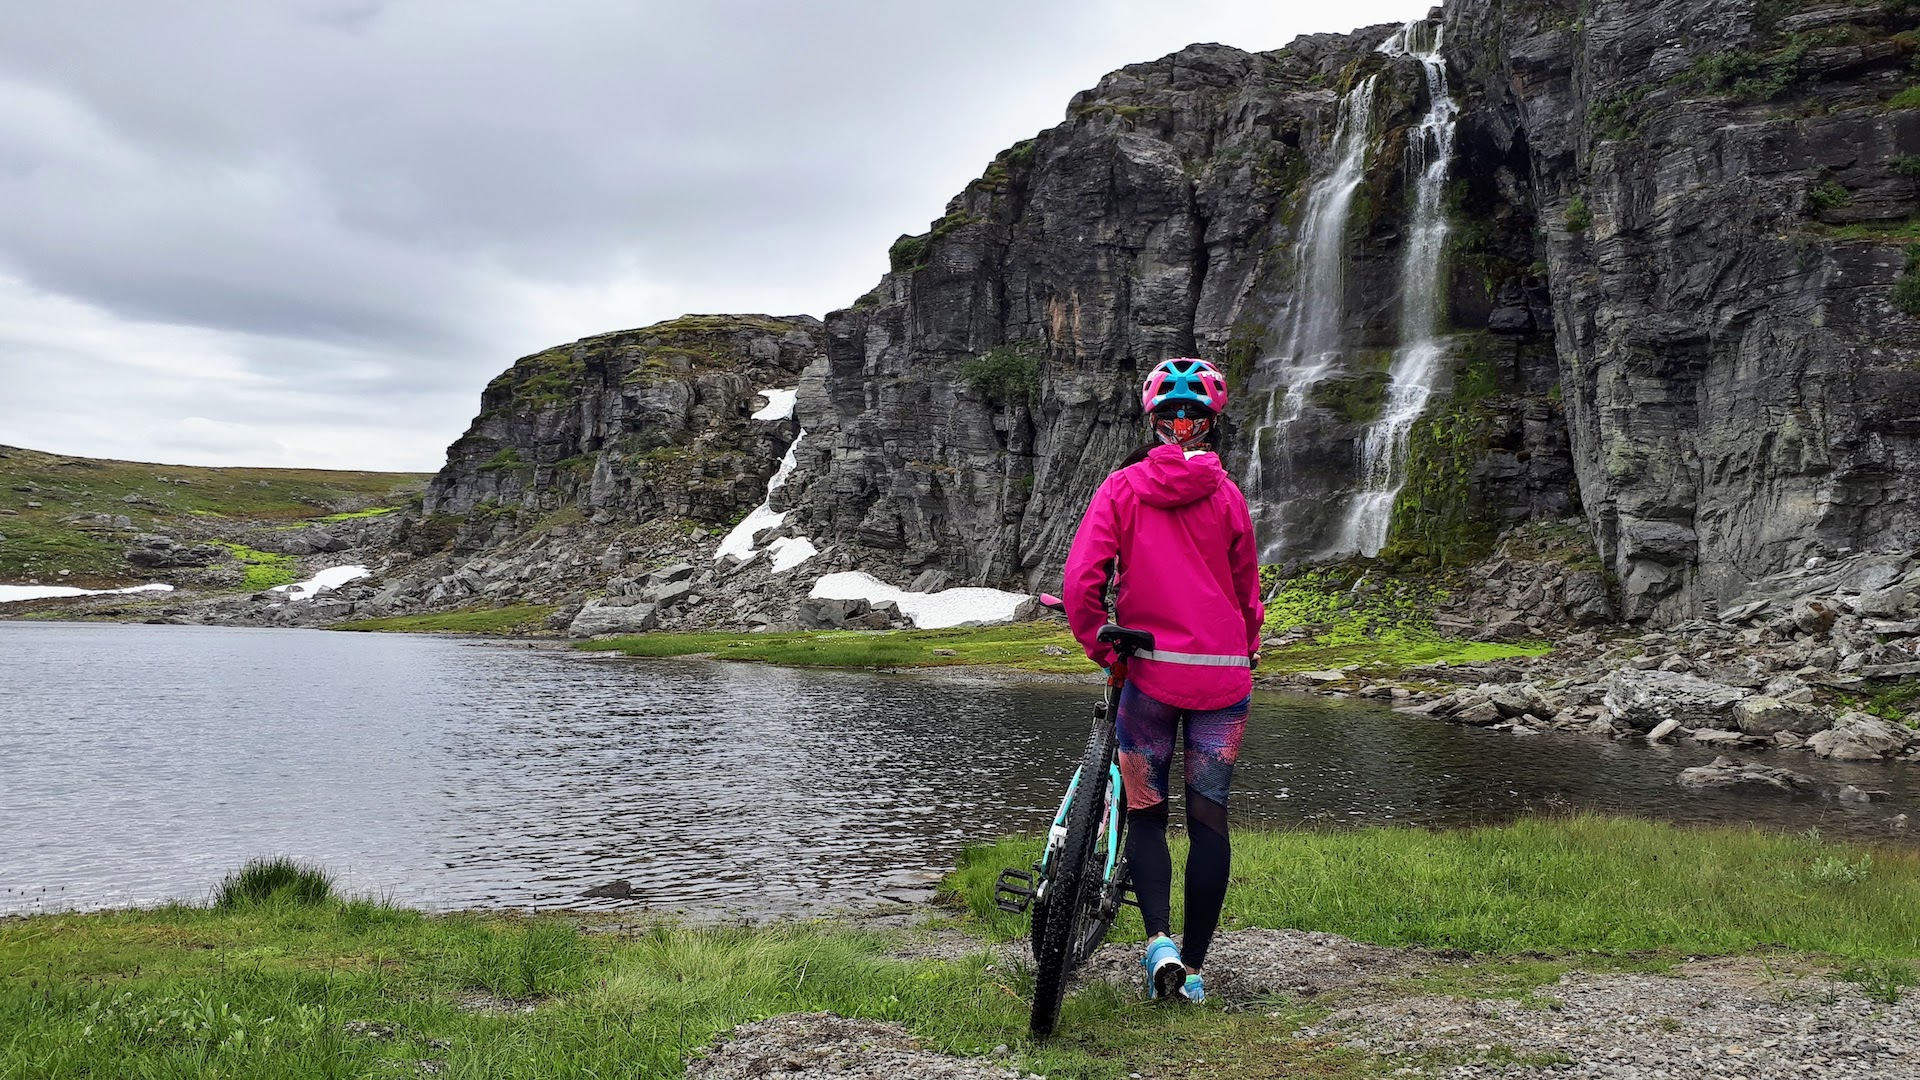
x=1128, y=899
x=1013, y=892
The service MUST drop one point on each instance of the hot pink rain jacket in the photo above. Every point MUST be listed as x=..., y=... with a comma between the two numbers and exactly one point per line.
x=1189, y=575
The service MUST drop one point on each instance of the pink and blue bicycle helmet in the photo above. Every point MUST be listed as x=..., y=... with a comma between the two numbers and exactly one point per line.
x=1181, y=397
x=1183, y=380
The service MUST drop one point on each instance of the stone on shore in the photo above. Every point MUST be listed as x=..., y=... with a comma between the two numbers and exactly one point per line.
x=1762, y=715
x=1858, y=736
x=1726, y=773
x=1640, y=700
x=613, y=615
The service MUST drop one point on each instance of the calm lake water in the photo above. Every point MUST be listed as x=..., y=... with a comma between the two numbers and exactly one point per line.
x=141, y=763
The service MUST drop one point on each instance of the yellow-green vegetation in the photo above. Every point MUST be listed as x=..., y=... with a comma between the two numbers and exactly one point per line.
x=355, y=515
x=284, y=979
x=1906, y=99
x=1022, y=646
x=513, y=619
x=1382, y=623
x=54, y=499
x=265, y=569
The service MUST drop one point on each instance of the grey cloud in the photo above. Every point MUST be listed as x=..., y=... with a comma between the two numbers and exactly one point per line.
x=423, y=190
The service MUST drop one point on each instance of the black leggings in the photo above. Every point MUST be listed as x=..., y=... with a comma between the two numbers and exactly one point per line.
x=1209, y=858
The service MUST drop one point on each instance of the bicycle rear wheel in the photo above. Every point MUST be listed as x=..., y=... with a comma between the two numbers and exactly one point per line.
x=1069, y=915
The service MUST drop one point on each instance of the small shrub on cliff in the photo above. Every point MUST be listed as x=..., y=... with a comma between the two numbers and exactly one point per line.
x=1577, y=216
x=1906, y=99
x=1908, y=166
x=1906, y=291
x=1006, y=375
x=907, y=253
x=1830, y=195
x=274, y=881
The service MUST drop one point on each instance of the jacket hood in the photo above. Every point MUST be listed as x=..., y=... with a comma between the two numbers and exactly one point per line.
x=1169, y=477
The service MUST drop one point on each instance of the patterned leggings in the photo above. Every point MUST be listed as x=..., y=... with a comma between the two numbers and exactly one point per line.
x=1212, y=745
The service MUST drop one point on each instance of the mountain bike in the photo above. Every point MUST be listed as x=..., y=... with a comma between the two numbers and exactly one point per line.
x=1077, y=887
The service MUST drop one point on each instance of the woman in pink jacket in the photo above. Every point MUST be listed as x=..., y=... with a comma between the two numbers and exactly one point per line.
x=1173, y=531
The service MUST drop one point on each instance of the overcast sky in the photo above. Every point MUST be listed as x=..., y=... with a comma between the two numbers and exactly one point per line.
x=307, y=232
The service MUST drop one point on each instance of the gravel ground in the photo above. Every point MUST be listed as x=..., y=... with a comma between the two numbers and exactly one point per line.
x=822, y=1046
x=1740, y=1017
x=1744, y=1017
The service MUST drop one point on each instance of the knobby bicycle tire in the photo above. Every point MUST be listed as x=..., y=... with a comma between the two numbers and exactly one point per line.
x=1073, y=889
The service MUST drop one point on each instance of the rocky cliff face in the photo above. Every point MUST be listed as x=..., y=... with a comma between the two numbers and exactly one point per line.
x=631, y=426
x=1674, y=233
x=1726, y=189
x=970, y=403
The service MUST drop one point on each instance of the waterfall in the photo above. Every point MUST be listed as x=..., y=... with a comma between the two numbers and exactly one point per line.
x=1418, y=358
x=1311, y=343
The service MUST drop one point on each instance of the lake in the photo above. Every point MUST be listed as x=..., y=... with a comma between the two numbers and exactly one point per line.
x=142, y=763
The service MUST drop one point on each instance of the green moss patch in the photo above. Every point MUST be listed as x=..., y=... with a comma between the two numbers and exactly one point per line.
x=265, y=569
x=513, y=619
x=1381, y=624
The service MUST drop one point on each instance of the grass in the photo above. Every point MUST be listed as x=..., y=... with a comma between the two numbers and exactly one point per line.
x=350, y=988
x=513, y=619
x=1615, y=886
x=1019, y=646
x=192, y=502
x=335, y=987
x=274, y=881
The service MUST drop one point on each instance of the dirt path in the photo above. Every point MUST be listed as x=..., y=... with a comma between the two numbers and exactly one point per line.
x=1745, y=1017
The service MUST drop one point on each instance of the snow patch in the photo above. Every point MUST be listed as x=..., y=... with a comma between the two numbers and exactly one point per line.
x=788, y=552
x=929, y=611
x=739, y=541
x=13, y=594
x=779, y=404
x=331, y=578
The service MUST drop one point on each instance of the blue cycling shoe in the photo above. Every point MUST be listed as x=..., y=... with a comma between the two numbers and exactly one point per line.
x=1165, y=970
x=1194, y=990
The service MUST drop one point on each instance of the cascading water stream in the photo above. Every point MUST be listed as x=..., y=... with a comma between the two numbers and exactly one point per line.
x=1313, y=337
x=1417, y=360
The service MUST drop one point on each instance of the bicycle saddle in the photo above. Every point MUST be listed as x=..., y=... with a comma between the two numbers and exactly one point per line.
x=1124, y=641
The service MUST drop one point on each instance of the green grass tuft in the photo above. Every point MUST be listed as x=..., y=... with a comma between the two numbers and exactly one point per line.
x=1906, y=99
x=274, y=881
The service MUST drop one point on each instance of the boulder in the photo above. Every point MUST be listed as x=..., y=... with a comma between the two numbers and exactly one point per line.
x=1858, y=736
x=1887, y=603
x=1585, y=597
x=1663, y=729
x=669, y=594
x=667, y=575
x=1812, y=615
x=1727, y=774
x=820, y=613
x=1640, y=700
x=1762, y=715
x=613, y=615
